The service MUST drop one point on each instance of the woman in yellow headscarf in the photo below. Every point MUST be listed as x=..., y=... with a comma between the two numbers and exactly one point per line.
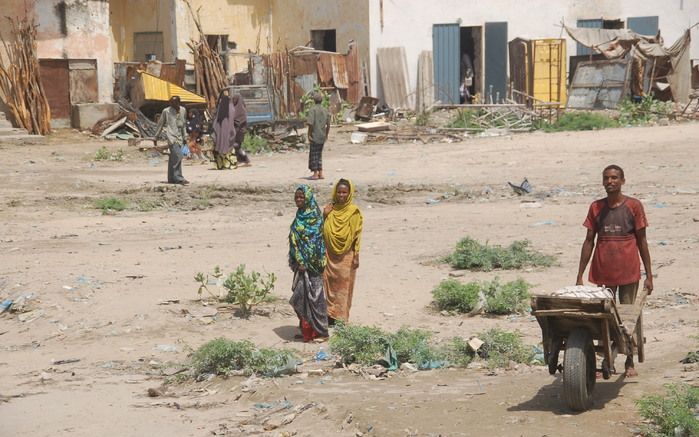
x=342, y=231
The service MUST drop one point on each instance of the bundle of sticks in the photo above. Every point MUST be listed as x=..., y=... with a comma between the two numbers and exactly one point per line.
x=208, y=68
x=20, y=83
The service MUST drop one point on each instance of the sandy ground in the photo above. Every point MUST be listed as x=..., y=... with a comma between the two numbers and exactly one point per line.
x=96, y=283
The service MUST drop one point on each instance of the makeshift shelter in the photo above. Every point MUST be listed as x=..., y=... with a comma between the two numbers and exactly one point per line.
x=293, y=73
x=666, y=72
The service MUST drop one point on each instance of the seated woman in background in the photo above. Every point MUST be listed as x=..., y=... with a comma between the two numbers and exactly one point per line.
x=307, y=261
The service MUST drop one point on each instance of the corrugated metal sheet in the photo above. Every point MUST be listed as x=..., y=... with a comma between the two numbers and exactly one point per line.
x=393, y=67
x=590, y=24
x=354, y=86
x=307, y=81
x=446, y=54
x=325, y=68
x=160, y=90
x=339, y=72
x=599, y=84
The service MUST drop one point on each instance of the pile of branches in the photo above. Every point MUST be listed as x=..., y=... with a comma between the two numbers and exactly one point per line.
x=208, y=68
x=20, y=83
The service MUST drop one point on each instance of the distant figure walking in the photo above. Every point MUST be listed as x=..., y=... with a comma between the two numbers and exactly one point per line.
x=307, y=261
x=342, y=231
x=174, y=120
x=318, y=120
x=229, y=130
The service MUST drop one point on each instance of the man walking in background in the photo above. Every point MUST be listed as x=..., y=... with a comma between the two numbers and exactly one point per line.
x=174, y=120
x=318, y=120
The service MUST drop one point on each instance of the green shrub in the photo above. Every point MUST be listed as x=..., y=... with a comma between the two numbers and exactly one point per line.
x=674, y=414
x=307, y=101
x=500, y=347
x=255, y=144
x=413, y=346
x=643, y=112
x=103, y=154
x=577, y=121
x=470, y=254
x=458, y=352
x=110, y=205
x=422, y=119
x=359, y=344
x=221, y=357
x=511, y=297
x=451, y=295
x=247, y=290
x=465, y=119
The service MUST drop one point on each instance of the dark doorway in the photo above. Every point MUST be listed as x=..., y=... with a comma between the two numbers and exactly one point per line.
x=470, y=43
x=324, y=40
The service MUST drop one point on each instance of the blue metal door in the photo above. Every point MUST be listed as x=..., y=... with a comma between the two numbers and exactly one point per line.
x=446, y=53
x=596, y=23
x=495, y=61
x=643, y=25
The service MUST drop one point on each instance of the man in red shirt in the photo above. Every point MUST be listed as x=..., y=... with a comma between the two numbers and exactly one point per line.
x=620, y=224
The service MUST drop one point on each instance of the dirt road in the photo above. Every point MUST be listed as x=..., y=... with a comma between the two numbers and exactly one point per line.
x=96, y=283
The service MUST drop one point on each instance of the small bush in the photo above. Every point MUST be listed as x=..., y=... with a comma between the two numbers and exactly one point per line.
x=255, y=144
x=500, y=347
x=646, y=111
x=247, y=290
x=458, y=352
x=674, y=414
x=472, y=255
x=110, y=205
x=413, y=346
x=222, y=357
x=103, y=154
x=508, y=298
x=358, y=344
x=577, y=121
x=465, y=119
x=451, y=295
x=498, y=298
x=422, y=119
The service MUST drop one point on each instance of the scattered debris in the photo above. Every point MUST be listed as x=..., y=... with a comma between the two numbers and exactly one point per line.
x=66, y=361
x=521, y=189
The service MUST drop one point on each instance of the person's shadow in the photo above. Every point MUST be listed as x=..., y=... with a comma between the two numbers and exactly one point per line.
x=288, y=333
x=550, y=397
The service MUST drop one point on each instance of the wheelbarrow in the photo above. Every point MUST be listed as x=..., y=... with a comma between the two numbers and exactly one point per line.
x=584, y=327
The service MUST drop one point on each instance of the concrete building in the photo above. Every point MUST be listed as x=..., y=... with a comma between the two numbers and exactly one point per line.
x=79, y=40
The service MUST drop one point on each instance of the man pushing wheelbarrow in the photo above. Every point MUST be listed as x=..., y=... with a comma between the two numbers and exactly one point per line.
x=619, y=222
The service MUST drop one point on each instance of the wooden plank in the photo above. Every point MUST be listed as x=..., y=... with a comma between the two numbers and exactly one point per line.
x=373, y=127
x=393, y=68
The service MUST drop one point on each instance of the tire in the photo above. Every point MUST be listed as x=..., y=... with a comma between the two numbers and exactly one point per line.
x=579, y=370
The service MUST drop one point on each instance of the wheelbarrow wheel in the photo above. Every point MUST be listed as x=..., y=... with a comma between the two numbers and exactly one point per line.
x=579, y=370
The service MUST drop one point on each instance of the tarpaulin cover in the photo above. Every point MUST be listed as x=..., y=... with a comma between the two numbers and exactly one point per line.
x=616, y=43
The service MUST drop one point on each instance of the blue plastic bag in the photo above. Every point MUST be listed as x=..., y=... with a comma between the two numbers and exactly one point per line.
x=185, y=150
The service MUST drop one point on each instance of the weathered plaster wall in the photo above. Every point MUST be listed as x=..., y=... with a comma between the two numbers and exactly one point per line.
x=246, y=22
x=294, y=19
x=76, y=29
x=130, y=16
x=408, y=23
